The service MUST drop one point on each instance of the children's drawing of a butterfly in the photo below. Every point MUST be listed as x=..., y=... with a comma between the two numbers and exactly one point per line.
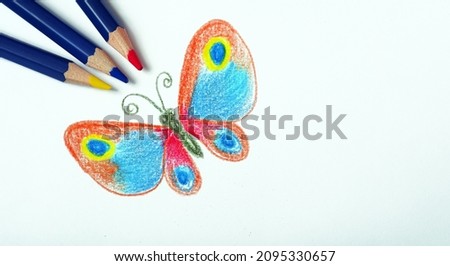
x=217, y=89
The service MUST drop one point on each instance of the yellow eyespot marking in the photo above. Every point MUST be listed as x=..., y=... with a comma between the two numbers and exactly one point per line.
x=97, y=147
x=217, y=53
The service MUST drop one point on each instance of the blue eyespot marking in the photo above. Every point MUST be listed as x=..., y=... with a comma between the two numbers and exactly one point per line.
x=227, y=142
x=217, y=53
x=184, y=177
x=98, y=147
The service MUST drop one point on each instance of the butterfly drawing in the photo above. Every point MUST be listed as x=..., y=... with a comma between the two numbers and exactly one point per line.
x=217, y=90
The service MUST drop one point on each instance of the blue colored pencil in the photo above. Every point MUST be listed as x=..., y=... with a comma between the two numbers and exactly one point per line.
x=47, y=63
x=65, y=36
x=110, y=30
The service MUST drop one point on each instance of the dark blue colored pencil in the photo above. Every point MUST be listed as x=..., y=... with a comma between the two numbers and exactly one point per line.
x=65, y=36
x=99, y=16
x=110, y=30
x=46, y=63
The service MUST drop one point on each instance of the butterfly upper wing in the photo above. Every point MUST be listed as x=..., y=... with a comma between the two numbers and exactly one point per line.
x=180, y=170
x=217, y=87
x=218, y=79
x=124, y=158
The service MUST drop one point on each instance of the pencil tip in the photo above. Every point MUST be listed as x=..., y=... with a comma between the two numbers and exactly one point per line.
x=98, y=83
x=115, y=72
x=134, y=59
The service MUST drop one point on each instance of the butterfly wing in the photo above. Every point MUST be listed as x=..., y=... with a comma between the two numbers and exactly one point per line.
x=124, y=158
x=180, y=170
x=218, y=79
x=217, y=88
x=226, y=140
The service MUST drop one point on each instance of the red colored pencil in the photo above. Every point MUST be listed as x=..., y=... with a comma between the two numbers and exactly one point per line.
x=110, y=30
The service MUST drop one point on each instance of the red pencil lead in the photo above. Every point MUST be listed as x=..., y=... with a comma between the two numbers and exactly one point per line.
x=134, y=59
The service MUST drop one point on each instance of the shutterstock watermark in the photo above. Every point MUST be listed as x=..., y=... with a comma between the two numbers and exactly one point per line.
x=326, y=125
x=331, y=125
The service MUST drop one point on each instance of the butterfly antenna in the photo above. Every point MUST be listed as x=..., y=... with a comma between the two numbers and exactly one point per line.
x=133, y=108
x=167, y=83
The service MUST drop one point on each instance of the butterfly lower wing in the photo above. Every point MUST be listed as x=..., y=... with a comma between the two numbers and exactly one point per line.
x=218, y=80
x=180, y=170
x=124, y=158
x=226, y=140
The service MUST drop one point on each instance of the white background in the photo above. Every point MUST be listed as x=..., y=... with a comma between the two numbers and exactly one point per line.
x=385, y=64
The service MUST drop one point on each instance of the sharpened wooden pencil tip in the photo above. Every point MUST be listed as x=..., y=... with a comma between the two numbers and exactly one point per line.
x=98, y=83
x=115, y=72
x=134, y=59
x=76, y=74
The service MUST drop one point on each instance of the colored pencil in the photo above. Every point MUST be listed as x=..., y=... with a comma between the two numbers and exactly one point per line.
x=66, y=37
x=110, y=30
x=47, y=63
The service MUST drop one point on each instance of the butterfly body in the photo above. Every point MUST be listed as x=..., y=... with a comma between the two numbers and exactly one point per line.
x=217, y=89
x=168, y=118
